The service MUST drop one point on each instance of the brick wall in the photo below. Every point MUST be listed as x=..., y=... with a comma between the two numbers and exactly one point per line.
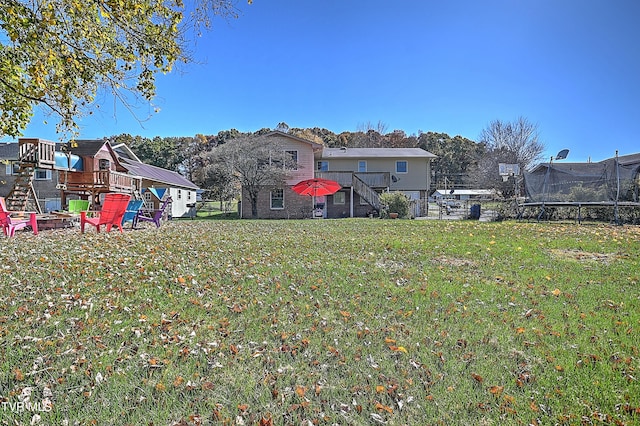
x=295, y=206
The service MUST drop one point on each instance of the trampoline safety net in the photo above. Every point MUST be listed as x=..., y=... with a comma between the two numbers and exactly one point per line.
x=615, y=179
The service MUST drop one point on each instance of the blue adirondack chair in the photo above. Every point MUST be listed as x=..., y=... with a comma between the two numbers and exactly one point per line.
x=130, y=214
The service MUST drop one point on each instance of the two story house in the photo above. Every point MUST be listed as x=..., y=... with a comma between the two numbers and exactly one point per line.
x=363, y=173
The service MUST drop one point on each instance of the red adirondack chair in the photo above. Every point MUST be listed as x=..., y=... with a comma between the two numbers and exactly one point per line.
x=154, y=216
x=11, y=224
x=113, y=210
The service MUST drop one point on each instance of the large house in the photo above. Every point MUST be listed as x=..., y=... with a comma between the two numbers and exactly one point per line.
x=363, y=173
x=50, y=174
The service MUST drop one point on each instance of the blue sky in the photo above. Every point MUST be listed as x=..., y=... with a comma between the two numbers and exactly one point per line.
x=570, y=66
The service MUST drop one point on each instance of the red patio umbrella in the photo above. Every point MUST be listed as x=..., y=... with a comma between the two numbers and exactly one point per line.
x=316, y=187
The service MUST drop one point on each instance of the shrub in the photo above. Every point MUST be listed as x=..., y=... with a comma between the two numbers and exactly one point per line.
x=395, y=202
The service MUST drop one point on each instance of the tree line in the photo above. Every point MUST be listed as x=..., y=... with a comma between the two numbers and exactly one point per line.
x=460, y=162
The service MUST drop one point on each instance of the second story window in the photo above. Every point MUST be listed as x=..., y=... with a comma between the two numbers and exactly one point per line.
x=292, y=160
x=104, y=164
x=323, y=166
x=362, y=166
x=402, y=166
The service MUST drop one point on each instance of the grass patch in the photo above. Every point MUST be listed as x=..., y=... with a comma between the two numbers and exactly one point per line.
x=349, y=321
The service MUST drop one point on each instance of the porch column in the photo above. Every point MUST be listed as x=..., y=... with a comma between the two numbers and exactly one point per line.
x=351, y=202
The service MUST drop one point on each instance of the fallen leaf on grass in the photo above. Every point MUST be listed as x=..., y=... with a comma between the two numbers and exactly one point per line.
x=496, y=390
x=382, y=407
x=478, y=378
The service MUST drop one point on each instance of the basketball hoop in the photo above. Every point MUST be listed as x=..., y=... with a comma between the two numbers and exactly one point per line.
x=507, y=170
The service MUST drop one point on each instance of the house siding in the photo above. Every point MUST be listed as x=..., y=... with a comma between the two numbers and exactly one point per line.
x=417, y=177
x=305, y=158
x=182, y=198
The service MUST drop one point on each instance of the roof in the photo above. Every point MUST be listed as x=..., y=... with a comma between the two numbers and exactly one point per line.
x=87, y=147
x=124, y=151
x=623, y=160
x=9, y=151
x=314, y=145
x=630, y=159
x=157, y=174
x=376, y=153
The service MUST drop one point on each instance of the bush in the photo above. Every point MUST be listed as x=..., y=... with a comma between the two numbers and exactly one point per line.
x=395, y=202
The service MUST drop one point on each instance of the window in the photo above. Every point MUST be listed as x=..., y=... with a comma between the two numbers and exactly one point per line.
x=292, y=158
x=339, y=197
x=323, y=166
x=179, y=194
x=362, y=166
x=277, y=199
x=402, y=166
x=147, y=196
x=43, y=174
x=104, y=164
x=12, y=169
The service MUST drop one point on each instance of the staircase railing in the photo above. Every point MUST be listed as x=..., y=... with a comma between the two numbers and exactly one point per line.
x=366, y=192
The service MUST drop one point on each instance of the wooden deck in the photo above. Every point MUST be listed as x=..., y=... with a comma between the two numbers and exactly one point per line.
x=99, y=181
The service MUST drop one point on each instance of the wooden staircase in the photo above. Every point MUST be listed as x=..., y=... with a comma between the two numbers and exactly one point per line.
x=366, y=192
x=23, y=192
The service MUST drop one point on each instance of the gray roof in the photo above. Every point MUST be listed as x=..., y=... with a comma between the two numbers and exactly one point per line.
x=157, y=174
x=87, y=147
x=9, y=151
x=630, y=159
x=376, y=153
x=314, y=145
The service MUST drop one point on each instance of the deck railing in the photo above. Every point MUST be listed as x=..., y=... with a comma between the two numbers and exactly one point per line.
x=108, y=180
x=345, y=179
x=37, y=151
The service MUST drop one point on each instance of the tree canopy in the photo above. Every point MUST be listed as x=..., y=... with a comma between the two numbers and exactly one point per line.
x=248, y=162
x=60, y=54
x=514, y=142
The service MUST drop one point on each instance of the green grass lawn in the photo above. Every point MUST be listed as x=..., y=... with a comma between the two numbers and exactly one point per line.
x=322, y=322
